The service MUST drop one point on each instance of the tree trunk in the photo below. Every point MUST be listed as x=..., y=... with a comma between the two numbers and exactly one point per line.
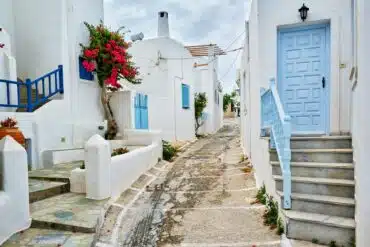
x=112, y=130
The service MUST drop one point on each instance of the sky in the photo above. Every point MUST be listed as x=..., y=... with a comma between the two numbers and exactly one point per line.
x=192, y=22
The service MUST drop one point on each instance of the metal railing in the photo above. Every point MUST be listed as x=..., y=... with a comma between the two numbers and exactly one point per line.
x=274, y=118
x=44, y=87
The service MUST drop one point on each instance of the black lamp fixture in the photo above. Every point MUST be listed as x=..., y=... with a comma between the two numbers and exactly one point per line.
x=303, y=12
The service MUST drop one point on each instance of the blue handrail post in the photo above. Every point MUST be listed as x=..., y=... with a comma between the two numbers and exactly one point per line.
x=61, y=84
x=29, y=95
x=287, y=183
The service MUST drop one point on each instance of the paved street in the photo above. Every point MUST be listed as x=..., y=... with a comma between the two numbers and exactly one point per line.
x=202, y=199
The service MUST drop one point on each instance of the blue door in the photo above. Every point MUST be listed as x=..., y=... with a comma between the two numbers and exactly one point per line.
x=303, y=77
x=141, y=111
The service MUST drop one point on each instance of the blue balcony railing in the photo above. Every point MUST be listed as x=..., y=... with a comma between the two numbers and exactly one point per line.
x=37, y=92
x=274, y=118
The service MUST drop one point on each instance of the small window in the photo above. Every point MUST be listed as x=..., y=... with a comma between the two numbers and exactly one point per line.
x=84, y=74
x=185, y=96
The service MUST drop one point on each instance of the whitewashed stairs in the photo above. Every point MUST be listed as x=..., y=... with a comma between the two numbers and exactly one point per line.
x=323, y=189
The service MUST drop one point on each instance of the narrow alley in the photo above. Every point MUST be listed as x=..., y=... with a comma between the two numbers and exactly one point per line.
x=204, y=198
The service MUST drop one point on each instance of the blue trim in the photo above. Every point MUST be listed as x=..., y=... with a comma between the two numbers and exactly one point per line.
x=283, y=30
x=141, y=111
x=84, y=74
x=30, y=105
x=185, y=92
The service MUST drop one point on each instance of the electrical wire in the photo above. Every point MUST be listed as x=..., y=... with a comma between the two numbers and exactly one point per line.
x=236, y=39
x=231, y=65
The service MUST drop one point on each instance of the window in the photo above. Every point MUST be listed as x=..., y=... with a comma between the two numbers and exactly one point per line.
x=185, y=96
x=84, y=74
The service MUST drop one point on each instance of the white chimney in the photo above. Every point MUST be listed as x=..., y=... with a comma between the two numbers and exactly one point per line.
x=163, y=28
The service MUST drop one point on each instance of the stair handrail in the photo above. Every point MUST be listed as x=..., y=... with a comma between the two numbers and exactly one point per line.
x=273, y=117
x=55, y=77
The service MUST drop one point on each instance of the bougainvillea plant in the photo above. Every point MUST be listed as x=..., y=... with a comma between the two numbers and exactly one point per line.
x=106, y=55
x=9, y=123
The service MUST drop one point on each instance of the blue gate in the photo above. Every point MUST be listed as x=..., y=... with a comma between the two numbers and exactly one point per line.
x=141, y=111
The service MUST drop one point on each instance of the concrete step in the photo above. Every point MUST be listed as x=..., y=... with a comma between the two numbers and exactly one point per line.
x=320, y=142
x=318, y=155
x=328, y=205
x=67, y=212
x=324, y=228
x=318, y=170
x=42, y=189
x=319, y=186
x=62, y=156
x=59, y=173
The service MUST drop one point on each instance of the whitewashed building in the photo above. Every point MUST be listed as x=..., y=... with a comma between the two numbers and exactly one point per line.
x=35, y=45
x=206, y=81
x=301, y=124
x=167, y=88
x=360, y=118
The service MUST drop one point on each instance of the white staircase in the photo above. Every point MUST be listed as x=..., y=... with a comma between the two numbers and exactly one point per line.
x=323, y=189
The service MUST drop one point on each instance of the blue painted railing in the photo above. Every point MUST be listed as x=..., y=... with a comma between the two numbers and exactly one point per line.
x=45, y=87
x=274, y=118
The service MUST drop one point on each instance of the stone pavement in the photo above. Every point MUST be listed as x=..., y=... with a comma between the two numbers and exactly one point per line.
x=202, y=199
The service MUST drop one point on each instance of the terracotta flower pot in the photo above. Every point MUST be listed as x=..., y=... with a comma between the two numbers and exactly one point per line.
x=13, y=132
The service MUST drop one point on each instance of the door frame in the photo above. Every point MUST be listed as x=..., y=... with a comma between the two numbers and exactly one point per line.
x=327, y=61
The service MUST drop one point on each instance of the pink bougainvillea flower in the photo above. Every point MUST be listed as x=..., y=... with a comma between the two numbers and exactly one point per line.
x=89, y=66
x=92, y=54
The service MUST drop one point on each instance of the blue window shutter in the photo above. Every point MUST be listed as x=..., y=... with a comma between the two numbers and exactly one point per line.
x=84, y=74
x=144, y=113
x=185, y=96
x=137, y=112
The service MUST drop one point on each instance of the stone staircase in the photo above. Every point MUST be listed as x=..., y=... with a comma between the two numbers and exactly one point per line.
x=323, y=189
x=23, y=98
x=59, y=217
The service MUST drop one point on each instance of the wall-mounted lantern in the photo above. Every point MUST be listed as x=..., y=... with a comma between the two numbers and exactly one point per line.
x=303, y=12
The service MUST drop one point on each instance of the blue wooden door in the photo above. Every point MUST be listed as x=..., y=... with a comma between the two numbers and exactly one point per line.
x=303, y=78
x=141, y=111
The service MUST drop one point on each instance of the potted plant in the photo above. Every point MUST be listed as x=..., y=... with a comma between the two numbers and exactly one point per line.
x=9, y=127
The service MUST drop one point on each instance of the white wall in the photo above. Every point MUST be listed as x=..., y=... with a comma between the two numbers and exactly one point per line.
x=262, y=65
x=206, y=82
x=162, y=82
x=7, y=21
x=14, y=193
x=35, y=45
x=87, y=114
x=68, y=121
x=361, y=123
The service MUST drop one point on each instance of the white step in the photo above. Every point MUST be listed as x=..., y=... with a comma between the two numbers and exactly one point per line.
x=319, y=186
x=320, y=142
x=319, y=170
x=318, y=155
x=324, y=228
x=321, y=204
x=62, y=156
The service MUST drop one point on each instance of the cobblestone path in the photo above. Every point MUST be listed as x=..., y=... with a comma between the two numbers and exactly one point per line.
x=202, y=199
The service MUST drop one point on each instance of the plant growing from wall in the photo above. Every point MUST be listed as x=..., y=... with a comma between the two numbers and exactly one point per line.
x=200, y=103
x=271, y=214
x=106, y=55
x=119, y=151
x=169, y=151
